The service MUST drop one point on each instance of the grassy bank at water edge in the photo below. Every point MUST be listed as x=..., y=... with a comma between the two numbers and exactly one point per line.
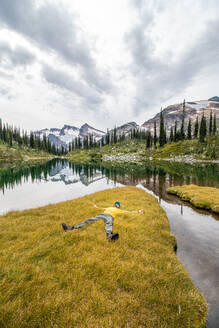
x=49, y=278
x=208, y=150
x=201, y=197
x=21, y=153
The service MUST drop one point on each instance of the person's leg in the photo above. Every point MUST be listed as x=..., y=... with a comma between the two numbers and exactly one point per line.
x=108, y=220
x=66, y=227
x=90, y=220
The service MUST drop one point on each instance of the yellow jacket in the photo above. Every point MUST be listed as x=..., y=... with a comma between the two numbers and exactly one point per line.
x=114, y=211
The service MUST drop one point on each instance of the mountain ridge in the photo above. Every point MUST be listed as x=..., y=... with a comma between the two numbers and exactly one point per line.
x=193, y=109
x=65, y=135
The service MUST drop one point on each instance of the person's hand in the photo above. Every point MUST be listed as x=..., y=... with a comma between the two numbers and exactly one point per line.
x=141, y=211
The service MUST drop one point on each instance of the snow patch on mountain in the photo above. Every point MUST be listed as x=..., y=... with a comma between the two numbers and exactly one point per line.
x=68, y=133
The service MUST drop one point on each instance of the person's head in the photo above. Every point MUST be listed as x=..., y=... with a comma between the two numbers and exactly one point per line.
x=117, y=204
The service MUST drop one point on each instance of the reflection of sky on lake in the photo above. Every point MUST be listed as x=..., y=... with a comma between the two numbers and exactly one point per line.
x=197, y=237
x=60, y=185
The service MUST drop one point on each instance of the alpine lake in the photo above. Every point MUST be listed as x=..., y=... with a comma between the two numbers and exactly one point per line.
x=30, y=185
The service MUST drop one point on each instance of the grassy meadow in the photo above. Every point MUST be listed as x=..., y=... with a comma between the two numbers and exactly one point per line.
x=50, y=278
x=201, y=197
x=20, y=153
x=208, y=150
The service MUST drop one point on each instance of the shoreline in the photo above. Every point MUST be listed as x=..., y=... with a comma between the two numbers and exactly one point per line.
x=52, y=265
x=206, y=198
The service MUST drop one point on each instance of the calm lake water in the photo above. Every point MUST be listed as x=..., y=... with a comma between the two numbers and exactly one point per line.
x=197, y=232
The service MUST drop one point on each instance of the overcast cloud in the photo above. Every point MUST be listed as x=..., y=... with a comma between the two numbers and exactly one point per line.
x=104, y=63
x=10, y=57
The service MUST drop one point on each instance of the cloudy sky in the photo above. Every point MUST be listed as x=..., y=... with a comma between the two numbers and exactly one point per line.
x=104, y=62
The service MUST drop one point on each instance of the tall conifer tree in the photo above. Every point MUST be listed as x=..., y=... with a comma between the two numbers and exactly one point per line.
x=210, y=124
x=162, y=131
x=182, y=130
x=155, y=134
x=214, y=125
x=196, y=128
x=171, y=135
x=203, y=129
x=189, y=130
x=175, y=131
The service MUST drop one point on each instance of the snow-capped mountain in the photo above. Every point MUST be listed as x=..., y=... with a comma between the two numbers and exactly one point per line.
x=193, y=109
x=64, y=136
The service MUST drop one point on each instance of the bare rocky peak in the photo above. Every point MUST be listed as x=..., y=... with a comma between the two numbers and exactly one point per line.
x=125, y=128
x=215, y=98
x=86, y=130
x=193, y=109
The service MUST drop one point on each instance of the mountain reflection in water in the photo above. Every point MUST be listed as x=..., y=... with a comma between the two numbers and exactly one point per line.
x=155, y=177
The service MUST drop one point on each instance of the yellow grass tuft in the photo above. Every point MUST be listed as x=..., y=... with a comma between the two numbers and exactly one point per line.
x=49, y=278
x=201, y=197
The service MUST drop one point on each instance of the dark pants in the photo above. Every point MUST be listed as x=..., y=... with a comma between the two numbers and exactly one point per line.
x=107, y=218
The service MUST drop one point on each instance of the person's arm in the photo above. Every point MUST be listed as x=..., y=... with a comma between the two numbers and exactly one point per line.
x=135, y=211
x=102, y=208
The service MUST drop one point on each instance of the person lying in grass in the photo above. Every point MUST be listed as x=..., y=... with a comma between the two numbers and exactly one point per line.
x=107, y=216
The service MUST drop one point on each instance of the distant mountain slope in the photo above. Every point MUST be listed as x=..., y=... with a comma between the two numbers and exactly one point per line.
x=193, y=109
x=86, y=130
x=64, y=136
x=214, y=99
x=127, y=128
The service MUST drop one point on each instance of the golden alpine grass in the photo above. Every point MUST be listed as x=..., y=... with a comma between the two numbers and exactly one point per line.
x=50, y=278
x=201, y=197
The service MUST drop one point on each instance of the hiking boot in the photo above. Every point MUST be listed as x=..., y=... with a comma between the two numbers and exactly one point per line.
x=112, y=236
x=66, y=227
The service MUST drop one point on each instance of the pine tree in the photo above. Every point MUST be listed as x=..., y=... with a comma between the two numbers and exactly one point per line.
x=53, y=150
x=86, y=142
x=76, y=143
x=90, y=141
x=79, y=143
x=203, y=129
x=4, y=133
x=171, y=135
x=107, y=137
x=31, y=139
x=148, y=139
x=214, y=125
x=165, y=135
x=155, y=134
x=0, y=129
x=182, y=130
x=114, y=136
x=44, y=145
x=175, y=131
x=196, y=128
x=162, y=131
x=211, y=124
x=10, y=138
x=189, y=131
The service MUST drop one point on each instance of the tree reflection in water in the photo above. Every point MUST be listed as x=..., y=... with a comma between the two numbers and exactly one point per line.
x=155, y=177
